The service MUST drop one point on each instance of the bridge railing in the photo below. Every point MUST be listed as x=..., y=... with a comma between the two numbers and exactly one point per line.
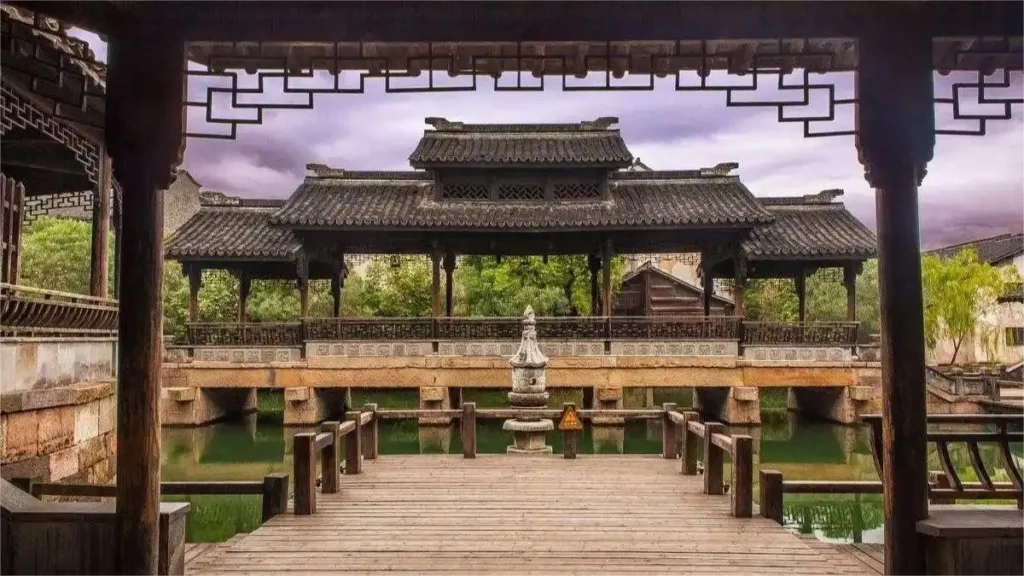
x=36, y=312
x=324, y=446
x=716, y=445
x=945, y=486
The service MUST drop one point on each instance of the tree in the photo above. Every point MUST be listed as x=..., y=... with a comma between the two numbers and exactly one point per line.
x=958, y=292
x=395, y=291
x=55, y=254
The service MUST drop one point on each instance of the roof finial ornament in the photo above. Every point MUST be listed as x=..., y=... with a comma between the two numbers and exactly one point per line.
x=442, y=123
x=318, y=170
x=720, y=169
x=823, y=197
x=602, y=123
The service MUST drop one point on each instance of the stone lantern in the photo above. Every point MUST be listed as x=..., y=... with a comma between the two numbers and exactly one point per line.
x=528, y=382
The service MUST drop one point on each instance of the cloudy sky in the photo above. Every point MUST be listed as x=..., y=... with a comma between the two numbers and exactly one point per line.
x=974, y=187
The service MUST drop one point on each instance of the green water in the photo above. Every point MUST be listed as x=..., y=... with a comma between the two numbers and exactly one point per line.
x=800, y=449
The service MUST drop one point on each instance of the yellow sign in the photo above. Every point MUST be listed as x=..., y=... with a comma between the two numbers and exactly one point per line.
x=570, y=420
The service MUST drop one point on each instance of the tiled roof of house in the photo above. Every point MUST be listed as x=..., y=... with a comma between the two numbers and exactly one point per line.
x=233, y=231
x=588, y=143
x=994, y=250
x=810, y=227
x=366, y=200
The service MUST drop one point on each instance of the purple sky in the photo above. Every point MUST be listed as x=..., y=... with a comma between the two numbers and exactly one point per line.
x=974, y=187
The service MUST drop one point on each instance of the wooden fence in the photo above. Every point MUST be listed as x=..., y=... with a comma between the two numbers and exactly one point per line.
x=309, y=447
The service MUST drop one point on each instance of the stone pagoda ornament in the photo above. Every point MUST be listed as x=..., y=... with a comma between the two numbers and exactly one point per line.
x=528, y=383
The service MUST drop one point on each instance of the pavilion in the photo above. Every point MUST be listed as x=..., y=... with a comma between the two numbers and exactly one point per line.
x=517, y=190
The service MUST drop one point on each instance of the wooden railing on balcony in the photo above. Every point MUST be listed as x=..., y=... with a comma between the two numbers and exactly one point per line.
x=28, y=311
x=248, y=334
x=800, y=333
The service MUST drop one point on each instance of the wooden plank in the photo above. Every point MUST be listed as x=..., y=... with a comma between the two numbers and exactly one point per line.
x=502, y=515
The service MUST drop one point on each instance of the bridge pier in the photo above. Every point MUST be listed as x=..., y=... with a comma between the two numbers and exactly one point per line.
x=304, y=405
x=191, y=406
x=435, y=398
x=732, y=405
x=837, y=404
x=607, y=398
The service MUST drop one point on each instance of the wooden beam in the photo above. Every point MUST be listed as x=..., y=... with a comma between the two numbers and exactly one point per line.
x=100, y=228
x=144, y=137
x=895, y=140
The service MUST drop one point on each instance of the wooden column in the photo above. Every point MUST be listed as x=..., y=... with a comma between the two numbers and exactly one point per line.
x=606, y=278
x=117, y=258
x=708, y=286
x=144, y=136
x=303, y=285
x=895, y=141
x=801, y=294
x=850, y=282
x=337, y=281
x=449, y=270
x=435, y=283
x=195, y=282
x=739, y=283
x=594, y=264
x=244, y=285
x=100, y=227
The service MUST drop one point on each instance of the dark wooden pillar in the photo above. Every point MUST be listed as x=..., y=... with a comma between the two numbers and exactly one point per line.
x=707, y=282
x=303, y=284
x=144, y=136
x=337, y=281
x=244, y=284
x=739, y=283
x=449, y=270
x=117, y=257
x=895, y=140
x=801, y=294
x=100, y=227
x=435, y=283
x=850, y=282
x=195, y=282
x=606, y=278
x=594, y=264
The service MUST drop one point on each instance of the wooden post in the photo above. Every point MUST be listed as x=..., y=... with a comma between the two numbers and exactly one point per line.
x=468, y=429
x=330, y=470
x=850, y=282
x=449, y=296
x=669, y=446
x=771, y=495
x=370, y=441
x=354, y=447
x=708, y=286
x=713, y=460
x=195, y=282
x=594, y=264
x=895, y=140
x=304, y=463
x=435, y=283
x=742, y=491
x=336, y=281
x=144, y=136
x=117, y=258
x=606, y=278
x=688, y=463
x=303, y=297
x=275, y=495
x=570, y=444
x=100, y=227
x=244, y=284
x=801, y=294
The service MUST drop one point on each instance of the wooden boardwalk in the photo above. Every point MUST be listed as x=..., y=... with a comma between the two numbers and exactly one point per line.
x=508, y=515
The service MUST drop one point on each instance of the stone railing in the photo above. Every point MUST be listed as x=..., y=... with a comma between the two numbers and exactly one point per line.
x=800, y=333
x=247, y=334
x=33, y=312
x=956, y=382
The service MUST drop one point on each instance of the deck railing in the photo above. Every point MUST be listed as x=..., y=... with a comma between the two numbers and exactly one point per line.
x=606, y=329
x=944, y=486
x=273, y=488
x=716, y=445
x=29, y=311
x=310, y=447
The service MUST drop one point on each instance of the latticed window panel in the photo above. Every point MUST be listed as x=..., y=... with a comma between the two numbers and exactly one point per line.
x=465, y=192
x=577, y=190
x=520, y=192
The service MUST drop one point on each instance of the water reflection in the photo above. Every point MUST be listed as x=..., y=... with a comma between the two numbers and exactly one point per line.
x=800, y=449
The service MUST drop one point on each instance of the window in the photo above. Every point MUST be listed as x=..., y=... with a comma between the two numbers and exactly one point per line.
x=466, y=191
x=577, y=190
x=520, y=192
x=1015, y=336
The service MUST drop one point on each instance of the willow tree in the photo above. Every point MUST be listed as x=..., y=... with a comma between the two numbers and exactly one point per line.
x=959, y=292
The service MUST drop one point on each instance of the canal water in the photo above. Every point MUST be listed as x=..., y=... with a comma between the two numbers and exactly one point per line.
x=801, y=449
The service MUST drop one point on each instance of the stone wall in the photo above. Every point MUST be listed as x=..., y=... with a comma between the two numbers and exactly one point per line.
x=59, y=433
x=36, y=363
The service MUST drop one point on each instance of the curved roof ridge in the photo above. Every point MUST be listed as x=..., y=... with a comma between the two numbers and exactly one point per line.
x=602, y=124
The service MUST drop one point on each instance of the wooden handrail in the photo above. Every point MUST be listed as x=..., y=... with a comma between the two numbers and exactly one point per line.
x=324, y=446
x=717, y=444
x=273, y=488
x=507, y=413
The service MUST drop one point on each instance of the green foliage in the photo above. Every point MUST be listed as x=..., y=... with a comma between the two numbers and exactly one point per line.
x=395, y=291
x=55, y=255
x=958, y=292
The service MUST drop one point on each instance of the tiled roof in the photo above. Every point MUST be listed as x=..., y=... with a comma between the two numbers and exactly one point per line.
x=54, y=34
x=993, y=250
x=589, y=143
x=810, y=227
x=358, y=201
x=241, y=231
